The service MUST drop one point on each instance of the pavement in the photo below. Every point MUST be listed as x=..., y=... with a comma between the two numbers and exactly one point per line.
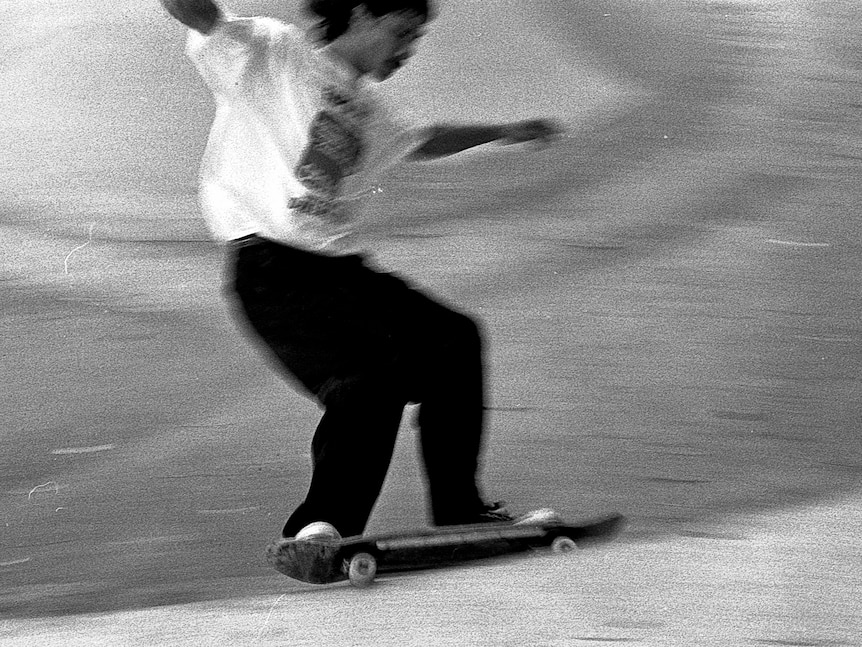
x=787, y=578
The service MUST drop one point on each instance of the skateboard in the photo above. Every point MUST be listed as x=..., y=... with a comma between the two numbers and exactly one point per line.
x=359, y=559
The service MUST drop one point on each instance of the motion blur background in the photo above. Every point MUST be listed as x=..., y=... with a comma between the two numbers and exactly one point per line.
x=671, y=292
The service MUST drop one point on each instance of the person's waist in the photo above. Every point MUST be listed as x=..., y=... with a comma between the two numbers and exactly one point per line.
x=247, y=241
x=286, y=250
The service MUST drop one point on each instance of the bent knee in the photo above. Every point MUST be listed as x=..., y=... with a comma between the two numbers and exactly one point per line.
x=464, y=333
x=364, y=390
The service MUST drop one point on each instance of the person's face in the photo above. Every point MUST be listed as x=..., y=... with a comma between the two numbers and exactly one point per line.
x=390, y=43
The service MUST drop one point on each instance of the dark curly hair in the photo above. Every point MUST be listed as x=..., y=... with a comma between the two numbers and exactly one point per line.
x=334, y=15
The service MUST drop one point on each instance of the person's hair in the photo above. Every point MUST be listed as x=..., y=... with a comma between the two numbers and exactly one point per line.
x=334, y=15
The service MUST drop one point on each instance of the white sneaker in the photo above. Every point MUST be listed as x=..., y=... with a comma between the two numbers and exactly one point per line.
x=319, y=530
x=538, y=517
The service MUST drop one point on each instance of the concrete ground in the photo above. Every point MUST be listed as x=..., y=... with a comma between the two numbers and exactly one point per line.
x=786, y=578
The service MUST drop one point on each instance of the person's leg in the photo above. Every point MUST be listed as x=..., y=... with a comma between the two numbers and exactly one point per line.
x=352, y=449
x=451, y=395
x=319, y=318
x=425, y=352
x=437, y=355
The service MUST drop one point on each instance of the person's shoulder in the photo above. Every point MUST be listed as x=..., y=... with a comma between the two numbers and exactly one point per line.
x=238, y=42
x=249, y=28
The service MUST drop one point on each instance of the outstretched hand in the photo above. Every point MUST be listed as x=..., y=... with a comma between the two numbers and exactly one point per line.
x=446, y=140
x=540, y=131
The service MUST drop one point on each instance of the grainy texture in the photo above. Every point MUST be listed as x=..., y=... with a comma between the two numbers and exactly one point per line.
x=671, y=295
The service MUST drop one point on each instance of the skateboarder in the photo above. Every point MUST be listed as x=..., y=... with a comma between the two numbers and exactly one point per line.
x=297, y=139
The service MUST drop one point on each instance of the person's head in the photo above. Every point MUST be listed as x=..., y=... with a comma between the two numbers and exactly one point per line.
x=377, y=36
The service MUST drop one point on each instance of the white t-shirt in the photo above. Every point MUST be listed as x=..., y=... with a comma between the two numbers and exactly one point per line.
x=296, y=142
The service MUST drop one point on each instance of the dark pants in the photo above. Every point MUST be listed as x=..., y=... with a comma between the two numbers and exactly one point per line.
x=365, y=344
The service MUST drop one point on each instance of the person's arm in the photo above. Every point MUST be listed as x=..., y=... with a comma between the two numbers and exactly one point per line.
x=200, y=15
x=447, y=140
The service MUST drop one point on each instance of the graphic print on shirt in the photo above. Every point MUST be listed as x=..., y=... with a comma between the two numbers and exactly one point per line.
x=334, y=151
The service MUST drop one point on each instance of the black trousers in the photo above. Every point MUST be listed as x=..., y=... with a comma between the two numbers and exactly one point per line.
x=365, y=344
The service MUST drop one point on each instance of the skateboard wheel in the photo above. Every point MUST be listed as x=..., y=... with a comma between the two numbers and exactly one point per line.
x=362, y=569
x=563, y=545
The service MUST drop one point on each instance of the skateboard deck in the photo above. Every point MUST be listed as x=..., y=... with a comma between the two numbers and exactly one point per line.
x=360, y=559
